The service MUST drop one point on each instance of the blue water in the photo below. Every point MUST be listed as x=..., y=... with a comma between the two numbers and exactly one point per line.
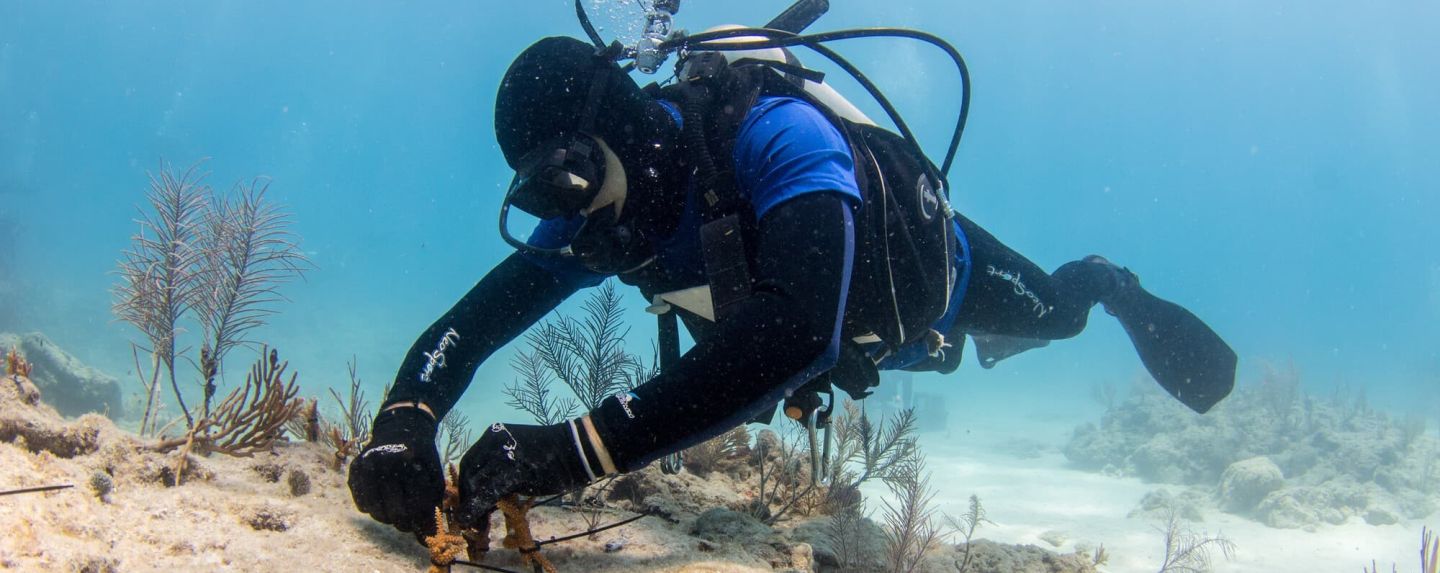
x=1269, y=164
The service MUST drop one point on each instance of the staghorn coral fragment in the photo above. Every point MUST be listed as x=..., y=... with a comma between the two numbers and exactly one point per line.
x=477, y=541
x=445, y=546
x=517, y=532
x=452, y=488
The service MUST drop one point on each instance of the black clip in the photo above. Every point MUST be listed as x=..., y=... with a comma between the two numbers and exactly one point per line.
x=705, y=66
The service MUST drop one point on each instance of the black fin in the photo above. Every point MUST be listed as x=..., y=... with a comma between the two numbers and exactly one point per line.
x=992, y=348
x=1185, y=356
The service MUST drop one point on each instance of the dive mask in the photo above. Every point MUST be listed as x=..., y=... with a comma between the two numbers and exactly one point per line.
x=559, y=178
x=565, y=178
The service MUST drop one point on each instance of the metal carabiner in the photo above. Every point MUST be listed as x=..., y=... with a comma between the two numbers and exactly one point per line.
x=820, y=455
x=673, y=463
x=816, y=463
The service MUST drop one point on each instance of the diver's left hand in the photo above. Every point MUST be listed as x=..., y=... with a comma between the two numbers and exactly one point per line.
x=516, y=458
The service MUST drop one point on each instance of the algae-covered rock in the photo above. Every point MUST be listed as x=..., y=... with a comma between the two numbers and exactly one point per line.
x=1300, y=508
x=38, y=433
x=676, y=497
x=1381, y=516
x=868, y=541
x=990, y=557
x=802, y=557
x=1160, y=504
x=723, y=525
x=64, y=381
x=268, y=518
x=1246, y=483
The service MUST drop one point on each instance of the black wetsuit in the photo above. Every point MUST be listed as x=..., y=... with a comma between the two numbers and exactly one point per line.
x=787, y=332
x=742, y=368
x=1012, y=296
x=745, y=366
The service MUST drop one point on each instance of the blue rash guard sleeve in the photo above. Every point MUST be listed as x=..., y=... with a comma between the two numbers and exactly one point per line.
x=786, y=148
x=555, y=233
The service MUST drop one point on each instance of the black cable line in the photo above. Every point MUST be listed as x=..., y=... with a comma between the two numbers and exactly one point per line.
x=585, y=23
x=870, y=87
x=539, y=544
x=36, y=489
x=481, y=566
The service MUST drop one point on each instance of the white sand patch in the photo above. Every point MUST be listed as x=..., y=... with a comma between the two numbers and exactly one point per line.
x=1028, y=496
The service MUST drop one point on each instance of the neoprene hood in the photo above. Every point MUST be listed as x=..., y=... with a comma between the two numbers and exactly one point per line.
x=544, y=93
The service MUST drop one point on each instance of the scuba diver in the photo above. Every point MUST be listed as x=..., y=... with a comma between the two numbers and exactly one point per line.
x=802, y=247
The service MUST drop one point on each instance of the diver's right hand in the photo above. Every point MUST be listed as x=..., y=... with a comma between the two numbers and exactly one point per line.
x=397, y=478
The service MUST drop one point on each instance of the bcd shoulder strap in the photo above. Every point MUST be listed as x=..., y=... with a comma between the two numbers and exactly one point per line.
x=714, y=100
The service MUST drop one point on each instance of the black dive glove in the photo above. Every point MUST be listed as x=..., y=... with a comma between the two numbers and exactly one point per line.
x=397, y=478
x=516, y=458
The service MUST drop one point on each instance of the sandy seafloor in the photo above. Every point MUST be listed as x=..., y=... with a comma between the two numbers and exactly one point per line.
x=1028, y=490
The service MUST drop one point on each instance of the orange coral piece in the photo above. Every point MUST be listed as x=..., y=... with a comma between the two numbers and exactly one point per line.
x=517, y=532
x=477, y=540
x=445, y=546
x=16, y=364
x=452, y=489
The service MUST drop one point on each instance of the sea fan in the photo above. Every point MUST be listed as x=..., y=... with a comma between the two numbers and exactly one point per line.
x=910, y=531
x=158, y=277
x=532, y=391
x=586, y=355
x=217, y=259
x=1189, y=552
x=246, y=251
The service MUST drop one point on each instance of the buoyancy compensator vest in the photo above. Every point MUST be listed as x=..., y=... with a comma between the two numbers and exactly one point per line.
x=905, y=239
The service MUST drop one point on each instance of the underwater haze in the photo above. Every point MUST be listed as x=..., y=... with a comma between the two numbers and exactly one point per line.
x=1269, y=164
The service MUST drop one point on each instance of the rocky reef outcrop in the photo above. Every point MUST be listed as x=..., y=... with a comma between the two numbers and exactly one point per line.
x=1273, y=453
x=66, y=383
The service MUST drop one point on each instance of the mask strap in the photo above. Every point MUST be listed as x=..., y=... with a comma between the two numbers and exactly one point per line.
x=592, y=101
